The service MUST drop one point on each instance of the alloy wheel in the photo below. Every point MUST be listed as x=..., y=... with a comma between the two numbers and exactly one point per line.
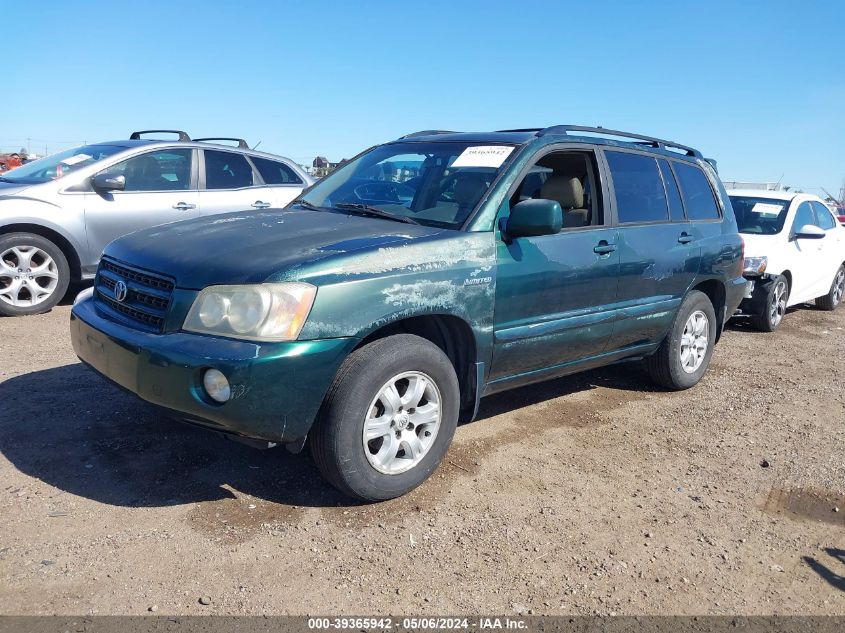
x=694, y=341
x=402, y=423
x=778, y=308
x=838, y=286
x=28, y=276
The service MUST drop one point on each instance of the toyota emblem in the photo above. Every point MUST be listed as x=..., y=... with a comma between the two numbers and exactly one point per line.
x=120, y=291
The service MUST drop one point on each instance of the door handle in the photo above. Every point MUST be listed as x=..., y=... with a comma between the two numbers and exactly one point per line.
x=259, y=204
x=603, y=248
x=184, y=206
x=685, y=238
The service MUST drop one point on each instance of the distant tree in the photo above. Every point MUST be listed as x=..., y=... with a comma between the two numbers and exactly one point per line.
x=23, y=153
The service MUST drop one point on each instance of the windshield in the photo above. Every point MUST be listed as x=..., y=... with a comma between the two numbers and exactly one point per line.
x=60, y=165
x=437, y=184
x=763, y=216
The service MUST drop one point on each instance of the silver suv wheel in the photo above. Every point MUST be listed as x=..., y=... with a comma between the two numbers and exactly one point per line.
x=28, y=276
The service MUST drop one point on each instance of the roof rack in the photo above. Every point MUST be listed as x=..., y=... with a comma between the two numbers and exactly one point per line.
x=183, y=136
x=427, y=133
x=242, y=144
x=639, y=138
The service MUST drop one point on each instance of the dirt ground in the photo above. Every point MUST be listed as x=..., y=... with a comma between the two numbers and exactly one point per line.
x=591, y=494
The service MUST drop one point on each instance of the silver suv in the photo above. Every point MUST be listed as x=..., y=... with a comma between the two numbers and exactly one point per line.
x=57, y=213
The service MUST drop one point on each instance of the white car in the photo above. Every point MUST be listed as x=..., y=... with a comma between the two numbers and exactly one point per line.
x=794, y=253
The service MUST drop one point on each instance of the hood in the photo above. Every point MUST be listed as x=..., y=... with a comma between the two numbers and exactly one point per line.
x=10, y=189
x=250, y=247
x=757, y=245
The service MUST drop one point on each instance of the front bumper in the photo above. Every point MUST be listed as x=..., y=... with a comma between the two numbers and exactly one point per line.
x=754, y=301
x=277, y=388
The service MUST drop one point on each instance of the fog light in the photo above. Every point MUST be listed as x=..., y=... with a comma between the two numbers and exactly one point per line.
x=216, y=385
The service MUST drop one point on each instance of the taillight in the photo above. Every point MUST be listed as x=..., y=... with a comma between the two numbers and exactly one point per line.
x=741, y=257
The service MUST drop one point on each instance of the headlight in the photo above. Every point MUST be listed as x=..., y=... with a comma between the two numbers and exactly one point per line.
x=755, y=265
x=263, y=312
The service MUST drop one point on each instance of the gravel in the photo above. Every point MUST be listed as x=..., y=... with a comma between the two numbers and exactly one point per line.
x=596, y=493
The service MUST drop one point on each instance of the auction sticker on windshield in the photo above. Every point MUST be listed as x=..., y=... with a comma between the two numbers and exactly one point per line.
x=483, y=156
x=764, y=208
x=77, y=158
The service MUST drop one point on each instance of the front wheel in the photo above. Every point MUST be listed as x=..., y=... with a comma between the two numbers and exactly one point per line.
x=34, y=274
x=683, y=357
x=834, y=296
x=387, y=419
x=774, y=307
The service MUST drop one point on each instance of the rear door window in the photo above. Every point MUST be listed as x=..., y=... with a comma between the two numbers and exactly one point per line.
x=698, y=195
x=676, y=206
x=640, y=195
x=227, y=170
x=274, y=172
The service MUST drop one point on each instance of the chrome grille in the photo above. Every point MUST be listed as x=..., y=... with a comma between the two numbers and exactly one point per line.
x=147, y=297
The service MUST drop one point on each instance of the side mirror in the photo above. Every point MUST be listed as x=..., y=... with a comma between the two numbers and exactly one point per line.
x=108, y=182
x=809, y=232
x=534, y=217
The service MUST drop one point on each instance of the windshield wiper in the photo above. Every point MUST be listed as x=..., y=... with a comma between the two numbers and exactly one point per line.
x=374, y=212
x=308, y=205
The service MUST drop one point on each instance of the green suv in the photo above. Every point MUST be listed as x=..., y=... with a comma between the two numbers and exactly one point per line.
x=373, y=313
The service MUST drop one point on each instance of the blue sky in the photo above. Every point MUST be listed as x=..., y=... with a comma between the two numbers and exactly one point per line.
x=758, y=86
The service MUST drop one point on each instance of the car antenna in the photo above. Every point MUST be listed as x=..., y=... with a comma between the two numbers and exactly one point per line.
x=256, y=145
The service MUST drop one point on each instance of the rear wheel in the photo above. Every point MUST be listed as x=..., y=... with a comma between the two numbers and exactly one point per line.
x=684, y=356
x=34, y=274
x=837, y=290
x=387, y=419
x=774, y=308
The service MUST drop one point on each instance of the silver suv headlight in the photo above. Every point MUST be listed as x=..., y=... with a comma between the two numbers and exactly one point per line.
x=261, y=312
x=755, y=265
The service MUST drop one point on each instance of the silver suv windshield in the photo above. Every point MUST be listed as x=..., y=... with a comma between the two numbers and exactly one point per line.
x=59, y=165
x=432, y=183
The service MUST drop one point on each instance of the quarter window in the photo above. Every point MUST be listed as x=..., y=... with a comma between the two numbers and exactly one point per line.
x=227, y=170
x=698, y=195
x=826, y=220
x=165, y=170
x=275, y=173
x=640, y=196
x=676, y=207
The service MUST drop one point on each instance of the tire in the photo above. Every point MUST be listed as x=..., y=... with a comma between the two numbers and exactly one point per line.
x=837, y=290
x=774, y=307
x=21, y=292
x=665, y=366
x=355, y=397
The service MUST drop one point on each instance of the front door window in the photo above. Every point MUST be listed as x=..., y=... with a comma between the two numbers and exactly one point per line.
x=162, y=170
